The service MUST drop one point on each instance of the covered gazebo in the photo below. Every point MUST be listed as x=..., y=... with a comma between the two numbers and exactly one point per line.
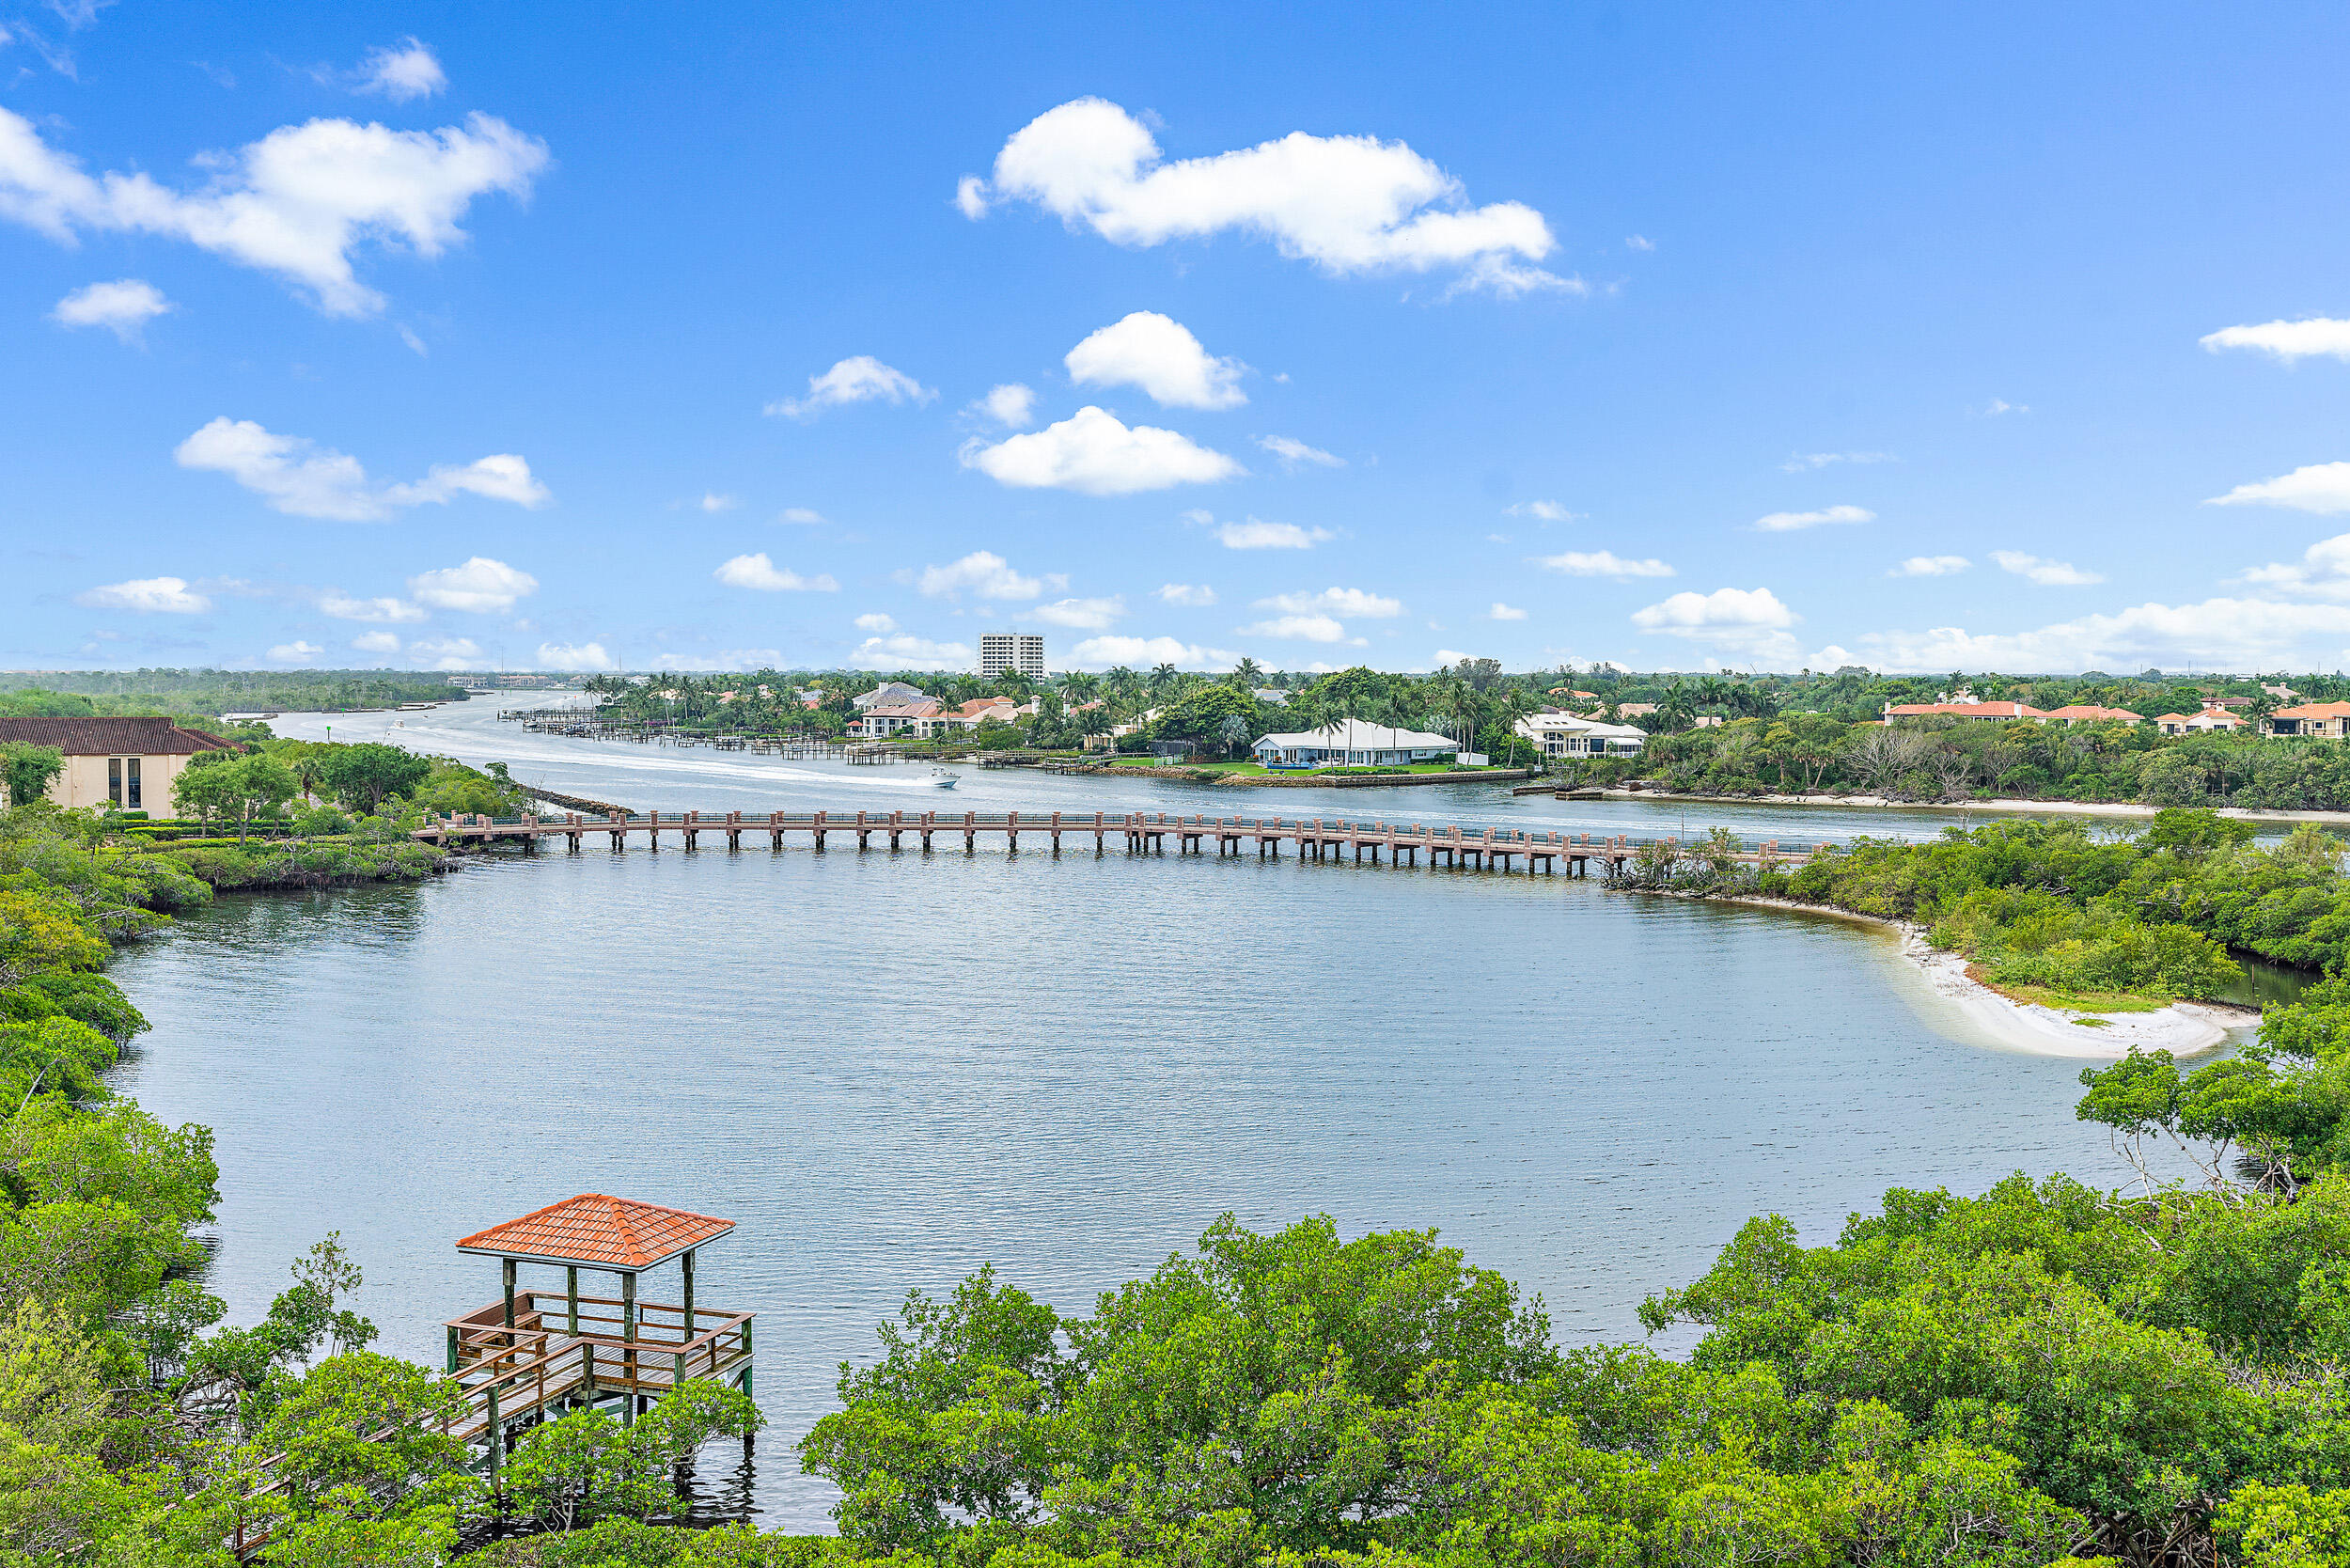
x=532, y=1350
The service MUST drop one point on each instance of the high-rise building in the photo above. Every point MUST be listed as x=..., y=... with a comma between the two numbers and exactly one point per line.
x=1004, y=652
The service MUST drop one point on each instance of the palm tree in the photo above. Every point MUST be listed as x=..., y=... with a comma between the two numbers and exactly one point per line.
x=1160, y=677
x=1078, y=686
x=1249, y=674
x=1232, y=732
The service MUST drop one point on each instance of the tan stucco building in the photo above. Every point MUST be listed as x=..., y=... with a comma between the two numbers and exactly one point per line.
x=124, y=762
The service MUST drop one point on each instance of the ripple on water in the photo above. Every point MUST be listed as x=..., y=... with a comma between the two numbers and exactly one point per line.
x=892, y=1069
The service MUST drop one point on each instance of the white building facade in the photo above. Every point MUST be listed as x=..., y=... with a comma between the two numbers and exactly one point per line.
x=1564, y=735
x=1011, y=653
x=1352, y=744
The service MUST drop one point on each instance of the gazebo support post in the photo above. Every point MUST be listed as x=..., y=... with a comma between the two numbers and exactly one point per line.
x=571, y=1294
x=507, y=1271
x=687, y=1264
x=628, y=1335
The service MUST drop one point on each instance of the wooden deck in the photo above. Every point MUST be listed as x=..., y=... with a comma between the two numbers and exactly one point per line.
x=549, y=1363
x=1317, y=838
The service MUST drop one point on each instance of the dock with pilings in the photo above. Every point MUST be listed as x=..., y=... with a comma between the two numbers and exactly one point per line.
x=1141, y=833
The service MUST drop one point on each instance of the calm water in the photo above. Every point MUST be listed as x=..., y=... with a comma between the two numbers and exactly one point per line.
x=892, y=1069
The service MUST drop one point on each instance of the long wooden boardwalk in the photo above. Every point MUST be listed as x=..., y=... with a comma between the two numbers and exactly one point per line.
x=1142, y=831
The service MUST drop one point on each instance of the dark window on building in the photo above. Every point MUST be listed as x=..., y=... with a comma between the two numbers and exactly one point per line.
x=130, y=794
x=114, y=780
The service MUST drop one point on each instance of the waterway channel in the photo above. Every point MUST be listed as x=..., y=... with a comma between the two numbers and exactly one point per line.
x=892, y=1069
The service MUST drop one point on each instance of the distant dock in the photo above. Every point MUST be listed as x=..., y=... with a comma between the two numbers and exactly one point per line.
x=1142, y=831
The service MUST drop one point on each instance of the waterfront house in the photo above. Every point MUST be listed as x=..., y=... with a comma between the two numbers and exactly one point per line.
x=1969, y=708
x=2330, y=720
x=895, y=694
x=127, y=763
x=2213, y=717
x=2089, y=713
x=1352, y=742
x=1566, y=735
x=884, y=719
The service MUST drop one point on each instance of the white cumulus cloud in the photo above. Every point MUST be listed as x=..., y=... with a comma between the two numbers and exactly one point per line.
x=1295, y=454
x=911, y=652
x=2323, y=487
x=147, y=595
x=383, y=610
x=800, y=514
x=1085, y=614
x=1506, y=612
x=123, y=307
x=1298, y=628
x=1748, y=623
x=1335, y=600
x=1347, y=204
x=859, y=379
x=295, y=652
x=1602, y=563
x=1805, y=461
x=982, y=572
x=1548, y=512
x=297, y=203
x=575, y=655
x=2047, y=573
x=874, y=621
x=299, y=478
x=1093, y=453
x=1190, y=595
x=1255, y=534
x=2324, y=570
x=713, y=501
x=376, y=642
x=1785, y=521
x=732, y=659
x=1930, y=566
x=480, y=586
x=1140, y=653
x=2287, y=340
x=1160, y=356
x=447, y=654
x=1011, y=405
x=758, y=571
x=401, y=71
x=2216, y=634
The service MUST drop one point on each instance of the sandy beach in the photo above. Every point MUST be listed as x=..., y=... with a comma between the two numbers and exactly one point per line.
x=2182, y=1029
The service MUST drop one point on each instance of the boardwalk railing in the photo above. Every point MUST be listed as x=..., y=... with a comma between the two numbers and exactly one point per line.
x=1143, y=832
x=515, y=1378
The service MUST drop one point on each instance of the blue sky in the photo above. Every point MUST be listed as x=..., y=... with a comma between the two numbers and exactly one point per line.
x=1685, y=336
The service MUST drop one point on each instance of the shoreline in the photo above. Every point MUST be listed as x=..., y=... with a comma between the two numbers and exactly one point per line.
x=2182, y=1029
x=2130, y=809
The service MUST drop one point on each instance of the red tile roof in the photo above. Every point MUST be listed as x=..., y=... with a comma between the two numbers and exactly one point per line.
x=2316, y=711
x=2091, y=711
x=1965, y=710
x=598, y=1233
x=111, y=737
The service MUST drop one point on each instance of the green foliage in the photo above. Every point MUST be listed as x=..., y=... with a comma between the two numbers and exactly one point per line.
x=363, y=776
x=589, y=1466
x=26, y=770
x=217, y=786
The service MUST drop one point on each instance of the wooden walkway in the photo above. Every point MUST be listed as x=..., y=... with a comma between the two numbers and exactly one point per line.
x=1142, y=831
x=551, y=1362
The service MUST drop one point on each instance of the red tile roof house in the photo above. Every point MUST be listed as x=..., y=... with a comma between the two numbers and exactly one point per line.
x=2328, y=720
x=2196, y=724
x=1991, y=710
x=124, y=762
x=2089, y=713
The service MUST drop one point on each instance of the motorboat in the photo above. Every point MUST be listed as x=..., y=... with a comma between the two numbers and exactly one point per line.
x=943, y=779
